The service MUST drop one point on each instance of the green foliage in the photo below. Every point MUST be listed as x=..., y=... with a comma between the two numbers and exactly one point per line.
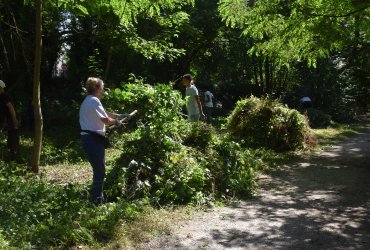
x=317, y=118
x=153, y=153
x=154, y=165
x=60, y=111
x=182, y=178
x=158, y=106
x=233, y=168
x=164, y=159
x=168, y=159
x=198, y=135
x=94, y=64
x=4, y=244
x=37, y=214
x=128, y=11
x=164, y=170
x=296, y=30
x=267, y=123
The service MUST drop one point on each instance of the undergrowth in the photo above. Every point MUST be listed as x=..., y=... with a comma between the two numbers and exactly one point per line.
x=159, y=160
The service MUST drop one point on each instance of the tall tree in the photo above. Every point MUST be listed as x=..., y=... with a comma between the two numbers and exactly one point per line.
x=128, y=13
x=36, y=90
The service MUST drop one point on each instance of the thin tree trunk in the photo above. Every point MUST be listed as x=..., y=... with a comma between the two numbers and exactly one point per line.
x=36, y=91
x=262, y=83
x=5, y=53
x=107, y=68
x=268, y=86
x=255, y=70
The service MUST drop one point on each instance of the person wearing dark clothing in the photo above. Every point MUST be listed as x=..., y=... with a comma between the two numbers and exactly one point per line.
x=11, y=123
x=306, y=102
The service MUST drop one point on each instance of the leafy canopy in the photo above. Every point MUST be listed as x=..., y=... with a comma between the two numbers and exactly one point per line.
x=298, y=30
x=167, y=14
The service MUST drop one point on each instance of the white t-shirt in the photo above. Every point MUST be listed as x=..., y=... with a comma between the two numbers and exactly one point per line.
x=191, y=105
x=91, y=112
x=210, y=97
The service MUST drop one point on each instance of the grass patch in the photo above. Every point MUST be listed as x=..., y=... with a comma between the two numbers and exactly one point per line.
x=51, y=211
x=150, y=224
x=329, y=136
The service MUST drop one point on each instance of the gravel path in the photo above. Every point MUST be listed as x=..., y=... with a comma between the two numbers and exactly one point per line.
x=318, y=202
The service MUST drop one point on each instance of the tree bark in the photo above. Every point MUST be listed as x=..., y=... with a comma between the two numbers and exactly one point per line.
x=268, y=85
x=107, y=68
x=262, y=81
x=36, y=91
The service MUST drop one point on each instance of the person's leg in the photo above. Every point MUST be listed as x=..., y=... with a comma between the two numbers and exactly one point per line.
x=307, y=104
x=194, y=118
x=94, y=149
x=209, y=114
x=13, y=142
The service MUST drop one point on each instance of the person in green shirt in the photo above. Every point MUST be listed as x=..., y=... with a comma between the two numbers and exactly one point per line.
x=193, y=105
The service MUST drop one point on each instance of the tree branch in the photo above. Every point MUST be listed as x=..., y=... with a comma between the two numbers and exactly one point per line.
x=337, y=16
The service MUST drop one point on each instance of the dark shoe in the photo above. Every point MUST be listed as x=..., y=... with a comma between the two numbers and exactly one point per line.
x=98, y=201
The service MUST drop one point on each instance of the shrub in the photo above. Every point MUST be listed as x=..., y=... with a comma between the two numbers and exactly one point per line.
x=317, y=118
x=154, y=151
x=157, y=105
x=267, y=123
x=233, y=168
x=156, y=166
x=169, y=160
x=198, y=134
x=164, y=170
x=4, y=244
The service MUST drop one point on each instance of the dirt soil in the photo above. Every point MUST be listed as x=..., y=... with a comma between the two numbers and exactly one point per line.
x=321, y=201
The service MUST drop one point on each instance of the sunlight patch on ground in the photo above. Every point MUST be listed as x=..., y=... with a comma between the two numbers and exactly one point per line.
x=305, y=164
x=336, y=228
x=355, y=149
x=325, y=196
x=67, y=174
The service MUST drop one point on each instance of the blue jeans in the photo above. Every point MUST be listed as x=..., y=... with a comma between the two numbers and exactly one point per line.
x=94, y=149
x=13, y=142
x=194, y=118
x=208, y=111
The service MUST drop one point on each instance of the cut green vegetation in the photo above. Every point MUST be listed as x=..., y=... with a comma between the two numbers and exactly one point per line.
x=162, y=161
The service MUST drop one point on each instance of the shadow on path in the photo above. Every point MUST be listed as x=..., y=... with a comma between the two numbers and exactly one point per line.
x=318, y=202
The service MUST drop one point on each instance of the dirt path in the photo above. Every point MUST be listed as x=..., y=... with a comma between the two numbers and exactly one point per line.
x=319, y=202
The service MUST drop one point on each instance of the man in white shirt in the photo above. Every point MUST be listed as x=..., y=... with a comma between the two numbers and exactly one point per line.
x=193, y=105
x=208, y=105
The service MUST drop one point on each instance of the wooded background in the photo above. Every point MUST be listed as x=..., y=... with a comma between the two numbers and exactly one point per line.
x=238, y=48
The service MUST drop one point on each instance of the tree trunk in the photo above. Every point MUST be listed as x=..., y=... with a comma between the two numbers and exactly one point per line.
x=268, y=84
x=36, y=91
x=107, y=68
x=255, y=70
x=262, y=83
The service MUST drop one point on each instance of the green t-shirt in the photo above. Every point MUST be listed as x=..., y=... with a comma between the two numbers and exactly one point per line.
x=191, y=105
